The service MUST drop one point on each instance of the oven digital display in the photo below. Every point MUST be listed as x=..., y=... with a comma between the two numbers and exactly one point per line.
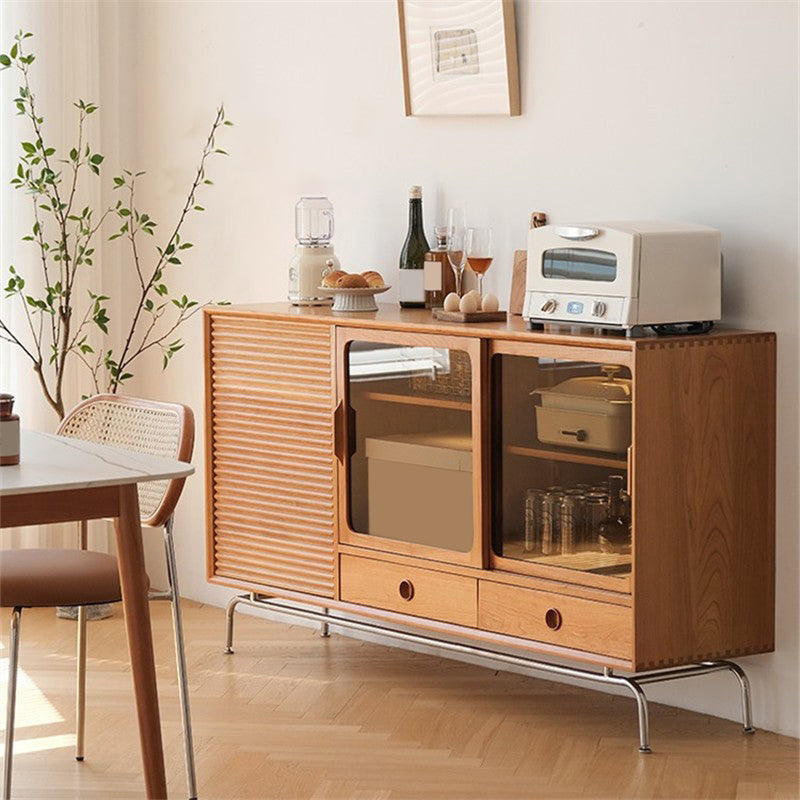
x=573, y=307
x=579, y=264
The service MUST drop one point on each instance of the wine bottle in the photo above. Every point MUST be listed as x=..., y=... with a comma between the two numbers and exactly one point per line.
x=412, y=256
x=439, y=277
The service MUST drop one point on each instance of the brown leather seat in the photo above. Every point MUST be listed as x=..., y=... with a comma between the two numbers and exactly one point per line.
x=49, y=577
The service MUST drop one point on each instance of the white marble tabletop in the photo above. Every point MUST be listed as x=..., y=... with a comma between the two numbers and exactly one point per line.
x=50, y=463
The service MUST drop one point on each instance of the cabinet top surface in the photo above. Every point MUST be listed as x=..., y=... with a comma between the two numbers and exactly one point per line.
x=390, y=316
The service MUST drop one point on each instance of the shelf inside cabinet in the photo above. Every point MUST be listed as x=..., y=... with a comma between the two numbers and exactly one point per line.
x=572, y=456
x=431, y=400
x=612, y=564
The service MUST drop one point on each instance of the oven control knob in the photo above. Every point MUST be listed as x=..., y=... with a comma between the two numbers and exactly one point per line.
x=599, y=308
x=549, y=306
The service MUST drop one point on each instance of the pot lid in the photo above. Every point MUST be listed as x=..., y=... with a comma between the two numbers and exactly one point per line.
x=602, y=387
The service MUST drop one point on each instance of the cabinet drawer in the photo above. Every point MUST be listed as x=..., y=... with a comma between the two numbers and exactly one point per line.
x=409, y=590
x=558, y=619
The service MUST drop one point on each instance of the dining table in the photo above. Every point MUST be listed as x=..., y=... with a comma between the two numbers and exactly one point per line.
x=62, y=479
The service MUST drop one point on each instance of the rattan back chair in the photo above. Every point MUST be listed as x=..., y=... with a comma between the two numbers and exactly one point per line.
x=159, y=429
x=144, y=426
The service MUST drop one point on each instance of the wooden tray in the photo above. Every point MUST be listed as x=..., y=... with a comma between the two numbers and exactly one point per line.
x=475, y=316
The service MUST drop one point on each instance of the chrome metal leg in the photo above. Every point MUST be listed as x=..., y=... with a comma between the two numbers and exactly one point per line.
x=324, y=630
x=644, y=717
x=13, y=664
x=180, y=656
x=744, y=685
x=641, y=705
x=80, y=693
x=80, y=689
x=229, y=609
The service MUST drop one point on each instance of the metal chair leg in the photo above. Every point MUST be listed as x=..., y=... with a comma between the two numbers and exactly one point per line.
x=80, y=689
x=180, y=656
x=324, y=629
x=80, y=693
x=13, y=664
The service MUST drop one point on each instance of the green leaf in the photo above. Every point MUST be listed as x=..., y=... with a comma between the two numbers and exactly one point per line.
x=13, y=52
x=5, y=60
x=186, y=246
x=28, y=147
x=73, y=154
x=199, y=208
x=96, y=159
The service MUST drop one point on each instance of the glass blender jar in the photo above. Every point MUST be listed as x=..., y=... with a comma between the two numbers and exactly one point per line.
x=313, y=253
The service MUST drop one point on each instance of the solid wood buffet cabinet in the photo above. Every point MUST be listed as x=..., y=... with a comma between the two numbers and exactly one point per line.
x=441, y=477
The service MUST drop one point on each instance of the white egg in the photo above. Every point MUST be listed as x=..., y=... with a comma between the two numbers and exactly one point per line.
x=490, y=303
x=451, y=302
x=476, y=294
x=468, y=304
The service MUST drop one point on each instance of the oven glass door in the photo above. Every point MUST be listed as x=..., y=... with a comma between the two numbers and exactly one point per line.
x=604, y=266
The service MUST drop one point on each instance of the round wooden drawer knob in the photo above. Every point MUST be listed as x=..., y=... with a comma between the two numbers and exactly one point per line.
x=406, y=589
x=552, y=618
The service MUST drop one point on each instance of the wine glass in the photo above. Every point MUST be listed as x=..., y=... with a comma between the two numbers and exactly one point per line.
x=479, y=252
x=455, y=244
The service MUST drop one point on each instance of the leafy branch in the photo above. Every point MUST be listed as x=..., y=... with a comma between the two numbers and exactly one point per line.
x=58, y=321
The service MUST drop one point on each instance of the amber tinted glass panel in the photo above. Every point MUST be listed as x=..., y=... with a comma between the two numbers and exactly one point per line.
x=410, y=470
x=561, y=431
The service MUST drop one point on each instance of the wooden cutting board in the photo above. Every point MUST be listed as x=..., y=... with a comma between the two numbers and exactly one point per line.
x=517, y=299
x=474, y=316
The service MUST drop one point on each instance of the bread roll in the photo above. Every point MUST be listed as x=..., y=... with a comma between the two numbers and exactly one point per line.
x=373, y=278
x=329, y=280
x=352, y=282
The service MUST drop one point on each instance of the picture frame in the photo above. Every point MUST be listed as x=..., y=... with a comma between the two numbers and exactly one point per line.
x=459, y=57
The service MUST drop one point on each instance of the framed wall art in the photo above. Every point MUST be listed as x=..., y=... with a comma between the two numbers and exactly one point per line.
x=459, y=57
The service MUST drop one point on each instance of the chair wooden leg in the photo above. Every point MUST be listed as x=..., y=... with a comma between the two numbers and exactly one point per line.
x=80, y=693
x=13, y=664
x=133, y=579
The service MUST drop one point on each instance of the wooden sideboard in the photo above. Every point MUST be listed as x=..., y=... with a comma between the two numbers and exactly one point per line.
x=336, y=445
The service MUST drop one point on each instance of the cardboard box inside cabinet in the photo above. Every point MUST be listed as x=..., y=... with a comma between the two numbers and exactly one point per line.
x=420, y=489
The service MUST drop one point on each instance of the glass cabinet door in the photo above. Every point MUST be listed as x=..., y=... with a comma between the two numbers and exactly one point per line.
x=561, y=431
x=410, y=466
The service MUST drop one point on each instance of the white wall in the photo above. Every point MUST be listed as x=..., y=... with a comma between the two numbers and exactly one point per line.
x=630, y=110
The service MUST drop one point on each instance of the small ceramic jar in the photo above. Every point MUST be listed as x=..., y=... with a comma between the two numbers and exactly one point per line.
x=9, y=431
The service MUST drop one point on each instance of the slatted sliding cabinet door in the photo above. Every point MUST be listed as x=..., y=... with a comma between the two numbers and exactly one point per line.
x=269, y=450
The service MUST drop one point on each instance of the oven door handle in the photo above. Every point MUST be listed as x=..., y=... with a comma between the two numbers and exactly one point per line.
x=576, y=233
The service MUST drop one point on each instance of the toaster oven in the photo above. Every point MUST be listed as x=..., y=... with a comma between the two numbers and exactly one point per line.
x=624, y=275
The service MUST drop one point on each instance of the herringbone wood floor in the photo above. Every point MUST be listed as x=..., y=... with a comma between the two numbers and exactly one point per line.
x=290, y=715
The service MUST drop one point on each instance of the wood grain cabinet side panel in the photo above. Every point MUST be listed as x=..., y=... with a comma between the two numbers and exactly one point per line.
x=270, y=450
x=571, y=622
x=409, y=590
x=704, y=499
